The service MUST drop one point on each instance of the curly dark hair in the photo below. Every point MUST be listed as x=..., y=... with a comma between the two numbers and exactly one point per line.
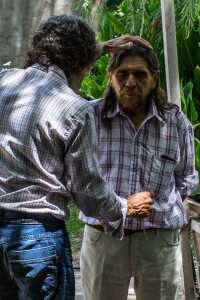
x=65, y=41
x=151, y=59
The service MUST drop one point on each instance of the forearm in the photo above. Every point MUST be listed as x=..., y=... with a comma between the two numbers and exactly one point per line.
x=101, y=202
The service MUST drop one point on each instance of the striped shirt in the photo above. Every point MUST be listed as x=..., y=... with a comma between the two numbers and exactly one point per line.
x=158, y=157
x=48, y=148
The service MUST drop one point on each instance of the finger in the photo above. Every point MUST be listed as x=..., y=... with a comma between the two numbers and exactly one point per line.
x=146, y=206
x=147, y=193
x=141, y=214
x=140, y=195
x=113, y=49
x=139, y=205
x=125, y=45
x=141, y=42
x=148, y=200
x=149, y=197
x=141, y=202
x=145, y=200
x=139, y=209
x=135, y=39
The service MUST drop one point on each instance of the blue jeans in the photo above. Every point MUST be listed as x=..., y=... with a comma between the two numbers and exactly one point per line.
x=35, y=262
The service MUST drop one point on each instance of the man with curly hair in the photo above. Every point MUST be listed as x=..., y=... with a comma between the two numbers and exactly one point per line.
x=48, y=157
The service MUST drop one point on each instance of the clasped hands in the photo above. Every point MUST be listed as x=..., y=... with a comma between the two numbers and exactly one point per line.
x=140, y=204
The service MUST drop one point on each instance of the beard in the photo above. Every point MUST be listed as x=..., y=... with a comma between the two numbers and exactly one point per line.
x=132, y=102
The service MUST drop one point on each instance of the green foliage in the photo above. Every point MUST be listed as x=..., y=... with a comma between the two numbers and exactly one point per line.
x=189, y=16
x=75, y=228
x=197, y=79
x=197, y=152
x=188, y=53
x=188, y=105
x=191, y=110
x=83, y=6
x=95, y=84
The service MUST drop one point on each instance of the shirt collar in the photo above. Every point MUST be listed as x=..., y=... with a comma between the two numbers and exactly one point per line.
x=152, y=112
x=55, y=69
x=111, y=114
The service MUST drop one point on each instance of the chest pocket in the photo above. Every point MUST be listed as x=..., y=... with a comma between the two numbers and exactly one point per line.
x=158, y=173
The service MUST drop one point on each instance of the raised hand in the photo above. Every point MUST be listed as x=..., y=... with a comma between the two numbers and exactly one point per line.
x=119, y=43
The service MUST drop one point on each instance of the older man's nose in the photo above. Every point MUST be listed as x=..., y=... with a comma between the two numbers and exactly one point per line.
x=131, y=80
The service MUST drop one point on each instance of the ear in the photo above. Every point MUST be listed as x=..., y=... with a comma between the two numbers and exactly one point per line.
x=86, y=71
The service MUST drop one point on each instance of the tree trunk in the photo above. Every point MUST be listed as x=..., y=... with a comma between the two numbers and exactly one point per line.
x=18, y=20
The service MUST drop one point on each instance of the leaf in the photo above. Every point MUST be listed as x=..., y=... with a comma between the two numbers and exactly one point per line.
x=197, y=78
x=196, y=192
x=153, y=6
x=193, y=114
x=196, y=126
x=183, y=100
x=197, y=153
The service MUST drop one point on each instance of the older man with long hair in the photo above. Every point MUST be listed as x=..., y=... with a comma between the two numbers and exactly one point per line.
x=144, y=144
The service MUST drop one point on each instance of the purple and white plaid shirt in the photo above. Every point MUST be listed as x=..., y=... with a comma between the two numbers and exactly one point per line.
x=158, y=157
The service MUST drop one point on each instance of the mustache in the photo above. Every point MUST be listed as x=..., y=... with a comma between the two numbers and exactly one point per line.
x=130, y=92
x=131, y=89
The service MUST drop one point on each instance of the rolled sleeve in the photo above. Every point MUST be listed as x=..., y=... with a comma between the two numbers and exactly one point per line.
x=116, y=228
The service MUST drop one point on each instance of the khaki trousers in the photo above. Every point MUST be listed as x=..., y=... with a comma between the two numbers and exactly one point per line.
x=152, y=257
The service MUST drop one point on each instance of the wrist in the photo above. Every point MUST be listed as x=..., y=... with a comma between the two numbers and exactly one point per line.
x=104, y=48
x=100, y=50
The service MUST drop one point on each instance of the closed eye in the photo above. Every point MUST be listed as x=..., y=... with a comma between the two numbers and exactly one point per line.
x=122, y=74
x=140, y=74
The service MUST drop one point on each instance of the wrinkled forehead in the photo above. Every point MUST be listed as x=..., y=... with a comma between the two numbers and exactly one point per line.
x=132, y=62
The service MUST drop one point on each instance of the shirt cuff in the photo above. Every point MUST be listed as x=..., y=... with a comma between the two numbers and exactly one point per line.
x=116, y=228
